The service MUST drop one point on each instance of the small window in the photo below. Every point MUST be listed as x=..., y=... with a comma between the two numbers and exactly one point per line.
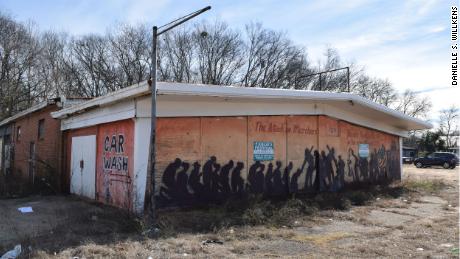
x=18, y=133
x=41, y=129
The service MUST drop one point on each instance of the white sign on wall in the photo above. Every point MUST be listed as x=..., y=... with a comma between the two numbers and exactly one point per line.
x=363, y=150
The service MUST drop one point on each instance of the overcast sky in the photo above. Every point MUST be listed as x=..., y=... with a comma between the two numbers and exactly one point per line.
x=407, y=42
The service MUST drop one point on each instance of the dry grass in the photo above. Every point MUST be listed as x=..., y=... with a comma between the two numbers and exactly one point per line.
x=250, y=228
x=425, y=186
x=322, y=239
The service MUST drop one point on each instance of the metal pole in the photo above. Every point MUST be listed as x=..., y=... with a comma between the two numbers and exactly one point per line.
x=320, y=86
x=348, y=78
x=150, y=190
x=153, y=121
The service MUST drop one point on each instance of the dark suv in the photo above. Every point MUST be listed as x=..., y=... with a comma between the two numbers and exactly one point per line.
x=444, y=159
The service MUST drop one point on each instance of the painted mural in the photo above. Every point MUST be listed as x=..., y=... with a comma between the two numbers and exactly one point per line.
x=114, y=163
x=210, y=159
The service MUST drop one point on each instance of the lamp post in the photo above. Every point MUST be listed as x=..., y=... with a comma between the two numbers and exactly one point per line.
x=157, y=31
x=328, y=71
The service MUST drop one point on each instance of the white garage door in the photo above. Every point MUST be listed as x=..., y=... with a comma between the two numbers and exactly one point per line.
x=83, y=166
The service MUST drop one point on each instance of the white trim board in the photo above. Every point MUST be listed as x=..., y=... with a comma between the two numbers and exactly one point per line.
x=176, y=99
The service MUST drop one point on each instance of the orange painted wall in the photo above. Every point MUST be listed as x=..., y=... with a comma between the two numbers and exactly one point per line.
x=302, y=141
x=210, y=159
x=207, y=159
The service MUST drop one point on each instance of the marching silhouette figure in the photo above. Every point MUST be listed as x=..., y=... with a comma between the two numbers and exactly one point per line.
x=167, y=190
x=237, y=180
x=194, y=181
x=182, y=193
x=268, y=180
x=256, y=178
x=278, y=187
x=224, y=180
x=287, y=172
x=310, y=159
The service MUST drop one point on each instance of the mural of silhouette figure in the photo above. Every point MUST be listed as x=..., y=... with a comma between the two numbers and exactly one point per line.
x=373, y=167
x=167, y=190
x=194, y=181
x=294, y=182
x=237, y=181
x=353, y=165
x=182, y=193
x=207, y=170
x=382, y=161
x=215, y=179
x=394, y=162
x=287, y=172
x=184, y=184
x=364, y=168
x=317, y=182
x=330, y=161
x=256, y=178
x=339, y=181
x=224, y=180
x=277, y=180
x=325, y=169
x=309, y=176
x=269, y=180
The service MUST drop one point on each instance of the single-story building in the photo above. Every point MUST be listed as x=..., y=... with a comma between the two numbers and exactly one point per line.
x=30, y=144
x=215, y=142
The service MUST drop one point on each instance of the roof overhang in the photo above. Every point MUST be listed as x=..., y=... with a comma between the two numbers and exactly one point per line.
x=30, y=110
x=350, y=102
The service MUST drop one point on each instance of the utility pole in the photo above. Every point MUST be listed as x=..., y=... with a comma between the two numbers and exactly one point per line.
x=157, y=31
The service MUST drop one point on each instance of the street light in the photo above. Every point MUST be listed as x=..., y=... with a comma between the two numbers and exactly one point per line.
x=157, y=31
x=328, y=71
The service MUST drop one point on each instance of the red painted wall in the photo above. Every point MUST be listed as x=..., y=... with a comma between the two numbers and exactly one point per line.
x=114, y=161
x=114, y=166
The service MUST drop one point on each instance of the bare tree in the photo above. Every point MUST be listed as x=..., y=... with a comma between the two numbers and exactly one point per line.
x=92, y=66
x=36, y=66
x=51, y=67
x=218, y=52
x=271, y=60
x=129, y=46
x=411, y=104
x=375, y=89
x=449, y=119
x=19, y=50
x=177, y=51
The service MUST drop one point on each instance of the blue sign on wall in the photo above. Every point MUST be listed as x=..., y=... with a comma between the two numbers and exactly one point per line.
x=263, y=151
x=363, y=150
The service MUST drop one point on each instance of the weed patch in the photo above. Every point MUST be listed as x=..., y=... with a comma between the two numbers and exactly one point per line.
x=321, y=239
x=428, y=186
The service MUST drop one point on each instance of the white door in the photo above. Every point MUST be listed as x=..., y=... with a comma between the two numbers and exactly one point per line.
x=83, y=166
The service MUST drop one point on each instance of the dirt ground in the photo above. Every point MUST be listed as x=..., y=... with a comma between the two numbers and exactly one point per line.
x=415, y=218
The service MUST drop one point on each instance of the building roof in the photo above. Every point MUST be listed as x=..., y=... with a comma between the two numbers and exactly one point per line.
x=30, y=110
x=60, y=101
x=348, y=101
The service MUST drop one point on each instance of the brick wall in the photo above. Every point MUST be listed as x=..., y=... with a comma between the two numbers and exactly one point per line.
x=47, y=149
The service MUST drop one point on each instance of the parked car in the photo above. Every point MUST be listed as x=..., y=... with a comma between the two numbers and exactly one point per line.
x=407, y=159
x=444, y=159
